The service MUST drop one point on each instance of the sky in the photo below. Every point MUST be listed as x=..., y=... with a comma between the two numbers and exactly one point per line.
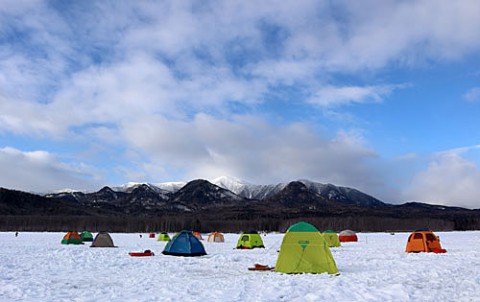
x=379, y=95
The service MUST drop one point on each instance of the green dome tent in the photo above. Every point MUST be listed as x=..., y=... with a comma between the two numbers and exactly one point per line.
x=304, y=250
x=250, y=240
x=86, y=236
x=163, y=237
x=332, y=238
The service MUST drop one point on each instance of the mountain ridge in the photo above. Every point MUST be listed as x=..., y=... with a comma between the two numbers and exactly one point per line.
x=201, y=204
x=260, y=192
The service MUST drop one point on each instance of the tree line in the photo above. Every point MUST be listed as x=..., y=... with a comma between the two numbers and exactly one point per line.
x=202, y=223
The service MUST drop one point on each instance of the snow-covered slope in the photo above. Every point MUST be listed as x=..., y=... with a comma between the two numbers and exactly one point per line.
x=171, y=187
x=247, y=190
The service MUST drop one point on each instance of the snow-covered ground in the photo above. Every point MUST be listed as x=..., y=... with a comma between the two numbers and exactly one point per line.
x=36, y=267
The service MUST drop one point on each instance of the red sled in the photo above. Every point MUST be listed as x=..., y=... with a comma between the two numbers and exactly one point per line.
x=439, y=251
x=260, y=267
x=141, y=254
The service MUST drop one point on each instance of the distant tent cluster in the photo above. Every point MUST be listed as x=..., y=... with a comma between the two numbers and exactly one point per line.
x=304, y=248
x=102, y=239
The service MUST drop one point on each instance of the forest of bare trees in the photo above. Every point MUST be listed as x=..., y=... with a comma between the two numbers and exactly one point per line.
x=172, y=223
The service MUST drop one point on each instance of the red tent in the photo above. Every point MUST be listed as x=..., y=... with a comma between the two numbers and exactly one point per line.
x=347, y=236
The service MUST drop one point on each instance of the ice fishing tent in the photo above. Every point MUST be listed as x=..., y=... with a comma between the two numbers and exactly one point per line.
x=332, y=238
x=163, y=237
x=304, y=250
x=423, y=241
x=216, y=237
x=152, y=235
x=72, y=238
x=102, y=239
x=86, y=236
x=198, y=235
x=347, y=236
x=250, y=240
x=184, y=244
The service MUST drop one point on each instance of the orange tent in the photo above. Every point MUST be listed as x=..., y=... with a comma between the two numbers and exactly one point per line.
x=216, y=237
x=198, y=235
x=424, y=241
x=72, y=238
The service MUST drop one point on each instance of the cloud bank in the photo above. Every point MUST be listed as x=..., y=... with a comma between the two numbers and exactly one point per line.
x=40, y=171
x=449, y=179
x=178, y=90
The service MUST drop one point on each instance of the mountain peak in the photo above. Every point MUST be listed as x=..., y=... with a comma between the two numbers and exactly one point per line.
x=225, y=178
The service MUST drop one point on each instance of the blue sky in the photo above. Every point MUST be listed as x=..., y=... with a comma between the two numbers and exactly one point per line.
x=382, y=96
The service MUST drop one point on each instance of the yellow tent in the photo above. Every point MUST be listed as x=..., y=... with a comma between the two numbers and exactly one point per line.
x=163, y=237
x=332, y=238
x=304, y=250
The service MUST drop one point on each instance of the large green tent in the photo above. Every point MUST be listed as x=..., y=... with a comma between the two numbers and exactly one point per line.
x=332, y=238
x=163, y=237
x=250, y=240
x=86, y=236
x=304, y=250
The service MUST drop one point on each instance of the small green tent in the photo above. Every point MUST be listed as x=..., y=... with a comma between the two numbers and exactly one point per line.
x=304, y=250
x=250, y=240
x=163, y=237
x=86, y=236
x=332, y=238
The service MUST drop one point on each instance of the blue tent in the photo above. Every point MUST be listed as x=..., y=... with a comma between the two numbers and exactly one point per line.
x=184, y=244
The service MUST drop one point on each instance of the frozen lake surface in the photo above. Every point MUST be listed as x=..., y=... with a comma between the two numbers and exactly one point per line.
x=36, y=267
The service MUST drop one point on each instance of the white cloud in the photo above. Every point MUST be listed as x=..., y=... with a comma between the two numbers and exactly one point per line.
x=473, y=95
x=40, y=171
x=450, y=179
x=251, y=149
x=404, y=32
x=407, y=157
x=334, y=96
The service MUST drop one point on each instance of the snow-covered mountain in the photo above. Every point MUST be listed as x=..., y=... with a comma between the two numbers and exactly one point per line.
x=260, y=192
x=328, y=191
x=234, y=190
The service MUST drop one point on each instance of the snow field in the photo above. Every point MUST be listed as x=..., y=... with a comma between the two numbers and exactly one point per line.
x=36, y=267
